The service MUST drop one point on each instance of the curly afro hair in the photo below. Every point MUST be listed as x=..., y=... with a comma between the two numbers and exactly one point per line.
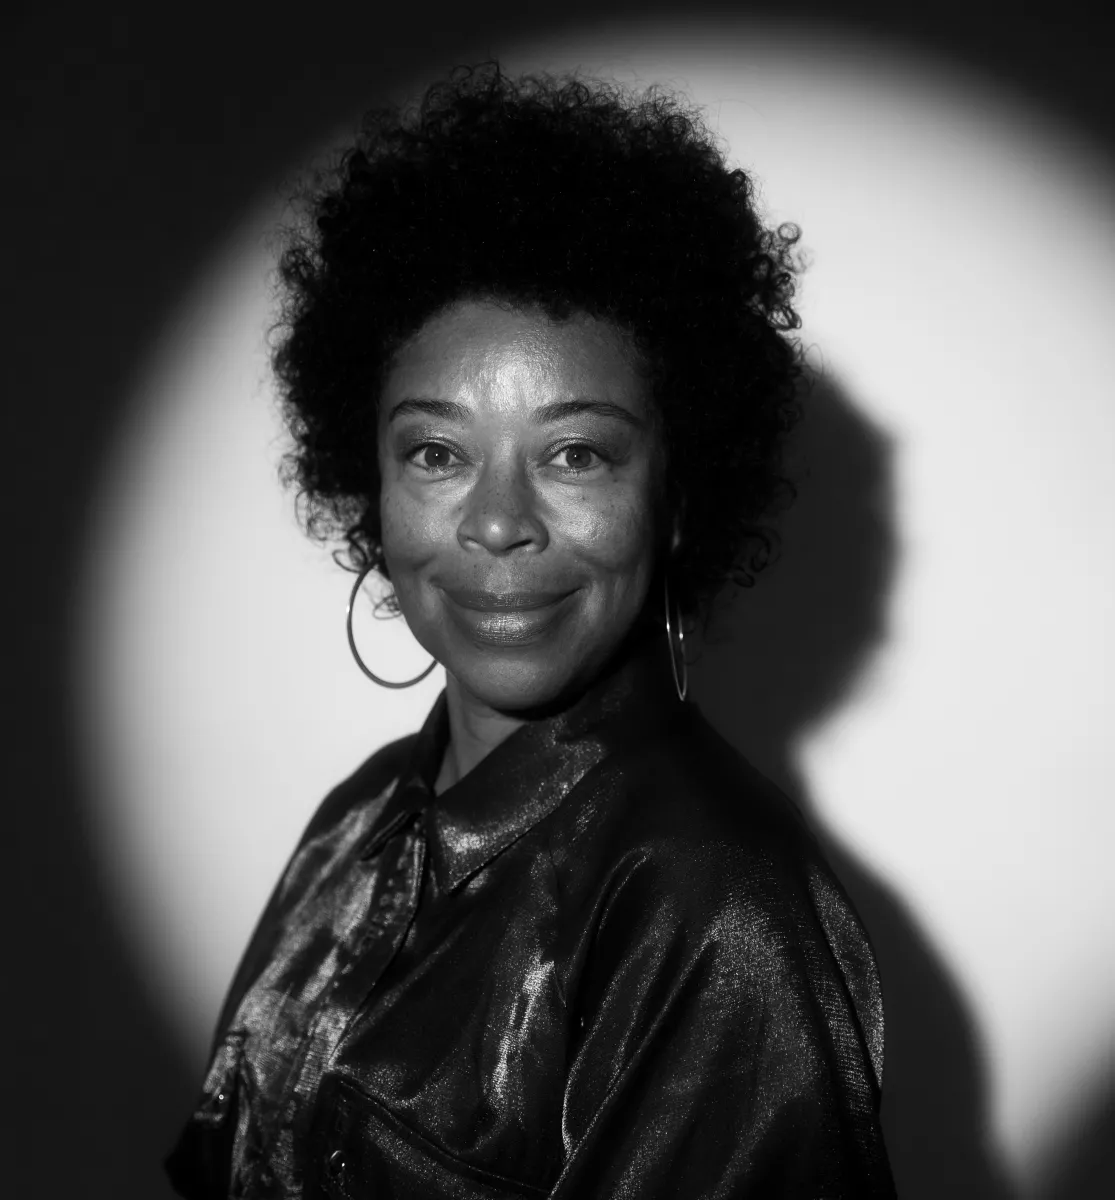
x=569, y=195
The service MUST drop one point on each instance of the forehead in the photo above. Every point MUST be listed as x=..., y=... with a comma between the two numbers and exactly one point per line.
x=478, y=352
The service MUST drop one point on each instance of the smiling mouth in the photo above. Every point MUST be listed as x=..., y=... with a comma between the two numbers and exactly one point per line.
x=479, y=601
x=505, y=618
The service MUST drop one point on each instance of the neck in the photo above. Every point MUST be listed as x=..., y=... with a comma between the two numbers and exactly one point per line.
x=475, y=730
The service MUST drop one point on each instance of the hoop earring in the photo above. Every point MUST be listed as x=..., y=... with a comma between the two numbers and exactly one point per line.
x=387, y=683
x=677, y=647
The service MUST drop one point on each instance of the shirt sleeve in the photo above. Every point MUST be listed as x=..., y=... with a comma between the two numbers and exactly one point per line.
x=718, y=1047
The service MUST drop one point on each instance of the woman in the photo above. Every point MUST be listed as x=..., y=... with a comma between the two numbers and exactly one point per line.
x=564, y=941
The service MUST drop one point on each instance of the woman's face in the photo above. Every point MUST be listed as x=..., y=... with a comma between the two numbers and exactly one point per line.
x=519, y=460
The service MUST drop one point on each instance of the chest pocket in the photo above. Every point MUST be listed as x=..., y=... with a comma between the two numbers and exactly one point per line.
x=358, y=1150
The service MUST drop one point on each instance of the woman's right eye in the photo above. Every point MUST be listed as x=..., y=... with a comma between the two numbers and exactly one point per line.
x=432, y=457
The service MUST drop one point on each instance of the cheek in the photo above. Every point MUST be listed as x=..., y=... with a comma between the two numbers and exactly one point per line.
x=614, y=533
x=411, y=531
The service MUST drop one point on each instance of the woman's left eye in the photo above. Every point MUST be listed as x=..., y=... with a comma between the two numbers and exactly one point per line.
x=576, y=458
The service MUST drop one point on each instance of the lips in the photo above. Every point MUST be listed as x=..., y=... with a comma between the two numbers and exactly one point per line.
x=505, y=618
x=477, y=601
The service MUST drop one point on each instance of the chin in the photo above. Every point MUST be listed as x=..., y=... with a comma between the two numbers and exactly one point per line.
x=526, y=681
x=516, y=684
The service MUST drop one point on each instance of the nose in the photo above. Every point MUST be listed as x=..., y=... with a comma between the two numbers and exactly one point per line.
x=501, y=516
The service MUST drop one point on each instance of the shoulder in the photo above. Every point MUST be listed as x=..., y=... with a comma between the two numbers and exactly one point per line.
x=689, y=843
x=701, y=817
x=708, y=862
x=347, y=810
x=371, y=779
x=343, y=819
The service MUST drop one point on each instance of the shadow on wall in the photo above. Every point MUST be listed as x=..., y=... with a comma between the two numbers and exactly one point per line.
x=1083, y=1167
x=785, y=653
x=108, y=1085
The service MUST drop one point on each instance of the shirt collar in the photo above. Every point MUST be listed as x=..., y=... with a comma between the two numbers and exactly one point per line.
x=528, y=775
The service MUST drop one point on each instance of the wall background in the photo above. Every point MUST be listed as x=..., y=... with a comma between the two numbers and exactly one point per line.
x=141, y=156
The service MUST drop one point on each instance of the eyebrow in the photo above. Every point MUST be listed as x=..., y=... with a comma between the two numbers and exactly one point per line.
x=447, y=410
x=548, y=414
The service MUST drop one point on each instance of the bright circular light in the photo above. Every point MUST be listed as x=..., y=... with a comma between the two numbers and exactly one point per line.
x=962, y=289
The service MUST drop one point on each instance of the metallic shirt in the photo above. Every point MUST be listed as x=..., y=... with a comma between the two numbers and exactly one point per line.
x=610, y=961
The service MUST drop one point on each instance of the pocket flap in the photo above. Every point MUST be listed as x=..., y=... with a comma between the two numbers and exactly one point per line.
x=359, y=1149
